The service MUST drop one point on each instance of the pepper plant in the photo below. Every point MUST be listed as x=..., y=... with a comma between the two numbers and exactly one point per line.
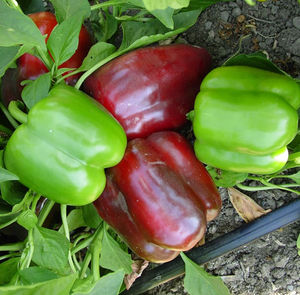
x=52, y=247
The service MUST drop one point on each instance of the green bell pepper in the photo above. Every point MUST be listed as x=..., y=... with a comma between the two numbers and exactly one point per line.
x=244, y=118
x=63, y=148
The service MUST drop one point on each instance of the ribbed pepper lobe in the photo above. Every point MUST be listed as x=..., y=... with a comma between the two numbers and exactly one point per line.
x=244, y=118
x=62, y=150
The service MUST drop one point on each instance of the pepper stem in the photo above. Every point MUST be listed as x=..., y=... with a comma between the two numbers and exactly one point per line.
x=9, y=117
x=63, y=211
x=14, y=108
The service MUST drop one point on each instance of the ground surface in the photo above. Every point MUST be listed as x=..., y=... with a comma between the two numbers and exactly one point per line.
x=271, y=264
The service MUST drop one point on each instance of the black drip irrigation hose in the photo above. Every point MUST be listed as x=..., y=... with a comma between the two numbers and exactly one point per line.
x=217, y=247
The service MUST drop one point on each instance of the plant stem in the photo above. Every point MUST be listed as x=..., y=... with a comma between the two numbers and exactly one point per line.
x=28, y=252
x=25, y=203
x=34, y=202
x=15, y=111
x=106, y=4
x=68, y=75
x=31, y=248
x=63, y=212
x=268, y=186
x=96, y=66
x=9, y=117
x=9, y=256
x=45, y=58
x=95, y=251
x=76, y=262
x=45, y=212
x=85, y=265
x=85, y=243
x=12, y=247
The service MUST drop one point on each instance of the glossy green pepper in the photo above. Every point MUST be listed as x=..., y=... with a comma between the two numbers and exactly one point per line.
x=63, y=148
x=244, y=118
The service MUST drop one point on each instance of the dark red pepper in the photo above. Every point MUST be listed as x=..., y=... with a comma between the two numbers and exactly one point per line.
x=150, y=89
x=30, y=67
x=159, y=194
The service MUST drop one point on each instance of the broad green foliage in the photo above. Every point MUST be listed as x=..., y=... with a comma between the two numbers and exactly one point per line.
x=198, y=282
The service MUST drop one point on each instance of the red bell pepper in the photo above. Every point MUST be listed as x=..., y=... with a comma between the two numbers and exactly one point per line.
x=150, y=89
x=30, y=67
x=159, y=195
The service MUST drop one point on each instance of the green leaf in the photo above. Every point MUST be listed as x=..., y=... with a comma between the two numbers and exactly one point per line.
x=198, y=282
x=295, y=177
x=164, y=4
x=36, y=90
x=112, y=256
x=196, y=4
x=8, y=218
x=295, y=144
x=104, y=30
x=75, y=220
x=256, y=60
x=50, y=249
x=91, y=216
x=60, y=286
x=16, y=28
x=12, y=192
x=7, y=57
x=136, y=34
x=36, y=274
x=65, y=9
x=109, y=284
x=298, y=245
x=27, y=219
x=61, y=71
x=6, y=175
x=97, y=52
x=165, y=16
x=224, y=178
x=63, y=40
x=8, y=270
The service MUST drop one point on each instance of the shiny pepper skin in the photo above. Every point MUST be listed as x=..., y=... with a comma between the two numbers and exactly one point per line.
x=63, y=148
x=159, y=197
x=30, y=67
x=150, y=89
x=244, y=118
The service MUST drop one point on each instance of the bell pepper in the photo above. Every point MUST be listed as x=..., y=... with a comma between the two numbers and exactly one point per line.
x=159, y=197
x=150, y=89
x=30, y=67
x=244, y=118
x=63, y=148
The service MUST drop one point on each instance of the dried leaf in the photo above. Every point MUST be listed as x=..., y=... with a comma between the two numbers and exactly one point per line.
x=247, y=208
x=137, y=268
x=201, y=242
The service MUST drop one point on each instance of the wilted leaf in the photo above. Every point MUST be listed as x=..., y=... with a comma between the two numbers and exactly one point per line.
x=138, y=267
x=247, y=208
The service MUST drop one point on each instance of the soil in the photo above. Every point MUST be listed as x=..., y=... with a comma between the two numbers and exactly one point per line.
x=270, y=265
